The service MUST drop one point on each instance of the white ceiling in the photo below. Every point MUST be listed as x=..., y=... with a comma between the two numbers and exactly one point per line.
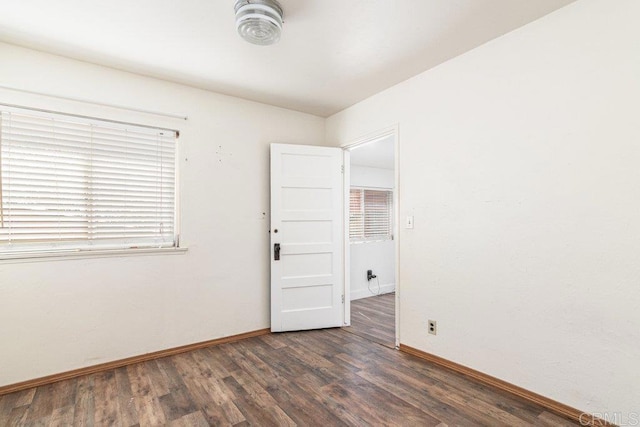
x=375, y=154
x=333, y=53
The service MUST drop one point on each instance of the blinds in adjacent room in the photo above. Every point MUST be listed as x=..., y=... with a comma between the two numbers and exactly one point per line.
x=71, y=183
x=370, y=214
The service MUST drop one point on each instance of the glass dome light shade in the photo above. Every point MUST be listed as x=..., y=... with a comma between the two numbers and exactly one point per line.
x=259, y=21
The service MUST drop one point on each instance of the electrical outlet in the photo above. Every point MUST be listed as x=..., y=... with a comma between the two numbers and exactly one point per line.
x=433, y=327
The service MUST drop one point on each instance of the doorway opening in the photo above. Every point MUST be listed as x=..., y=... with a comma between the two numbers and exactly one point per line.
x=371, y=223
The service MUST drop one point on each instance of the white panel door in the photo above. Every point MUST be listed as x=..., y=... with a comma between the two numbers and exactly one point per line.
x=307, y=285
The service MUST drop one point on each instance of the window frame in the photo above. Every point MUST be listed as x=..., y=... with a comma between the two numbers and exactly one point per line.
x=372, y=238
x=76, y=249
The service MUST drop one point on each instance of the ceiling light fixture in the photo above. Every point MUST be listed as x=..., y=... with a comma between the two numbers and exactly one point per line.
x=259, y=21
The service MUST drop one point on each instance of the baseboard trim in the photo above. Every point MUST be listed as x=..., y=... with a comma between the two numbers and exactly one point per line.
x=11, y=388
x=365, y=293
x=549, y=404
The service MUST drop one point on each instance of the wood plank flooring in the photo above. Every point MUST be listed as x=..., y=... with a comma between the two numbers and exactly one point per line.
x=328, y=377
x=374, y=318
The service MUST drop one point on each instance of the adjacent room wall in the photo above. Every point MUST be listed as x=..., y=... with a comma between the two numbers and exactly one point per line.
x=60, y=315
x=368, y=177
x=378, y=256
x=520, y=163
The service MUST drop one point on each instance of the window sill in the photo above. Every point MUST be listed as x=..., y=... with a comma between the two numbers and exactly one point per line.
x=359, y=242
x=103, y=253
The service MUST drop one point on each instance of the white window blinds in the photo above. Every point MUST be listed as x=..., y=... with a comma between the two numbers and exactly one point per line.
x=71, y=183
x=370, y=214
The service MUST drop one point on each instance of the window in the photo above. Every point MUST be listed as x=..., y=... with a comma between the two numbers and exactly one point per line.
x=370, y=214
x=70, y=183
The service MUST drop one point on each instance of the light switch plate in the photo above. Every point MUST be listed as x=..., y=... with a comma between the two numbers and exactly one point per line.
x=409, y=222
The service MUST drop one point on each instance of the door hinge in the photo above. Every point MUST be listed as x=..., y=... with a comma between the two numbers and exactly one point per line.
x=343, y=299
x=342, y=169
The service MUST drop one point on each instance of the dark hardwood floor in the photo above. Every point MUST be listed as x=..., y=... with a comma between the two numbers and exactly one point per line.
x=374, y=318
x=328, y=377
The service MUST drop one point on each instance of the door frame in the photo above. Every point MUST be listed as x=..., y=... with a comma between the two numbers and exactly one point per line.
x=371, y=137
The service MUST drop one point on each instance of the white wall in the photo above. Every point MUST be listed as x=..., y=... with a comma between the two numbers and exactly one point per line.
x=378, y=256
x=519, y=161
x=60, y=315
x=364, y=176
